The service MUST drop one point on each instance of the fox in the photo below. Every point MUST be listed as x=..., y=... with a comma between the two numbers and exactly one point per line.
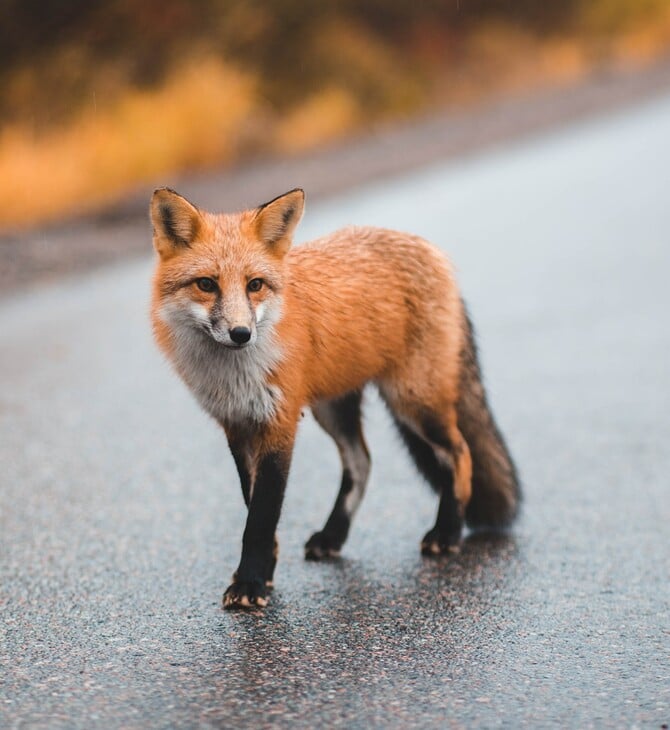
x=260, y=330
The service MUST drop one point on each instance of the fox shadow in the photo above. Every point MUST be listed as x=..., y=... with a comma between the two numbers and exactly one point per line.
x=485, y=565
x=436, y=600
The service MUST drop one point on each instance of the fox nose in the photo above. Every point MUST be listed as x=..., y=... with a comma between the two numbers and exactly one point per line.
x=240, y=335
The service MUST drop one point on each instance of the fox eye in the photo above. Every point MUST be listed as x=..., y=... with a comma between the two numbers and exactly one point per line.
x=204, y=283
x=255, y=285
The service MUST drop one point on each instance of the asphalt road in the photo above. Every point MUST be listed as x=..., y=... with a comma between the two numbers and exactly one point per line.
x=121, y=517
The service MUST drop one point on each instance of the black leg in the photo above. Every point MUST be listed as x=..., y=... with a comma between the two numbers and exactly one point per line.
x=241, y=462
x=445, y=536
x=329, y=541
x=241, y=458
x=341, y=419
x=258, y=544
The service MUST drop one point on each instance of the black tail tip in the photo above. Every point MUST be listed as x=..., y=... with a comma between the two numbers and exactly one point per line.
x=493, y=509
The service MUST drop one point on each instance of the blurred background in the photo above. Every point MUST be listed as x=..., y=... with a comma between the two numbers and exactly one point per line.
x=99, y=97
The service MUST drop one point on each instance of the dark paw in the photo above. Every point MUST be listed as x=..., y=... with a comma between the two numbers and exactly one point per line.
x=436, y=543
x=322, y=546
x=269, y=582
x=245, y=594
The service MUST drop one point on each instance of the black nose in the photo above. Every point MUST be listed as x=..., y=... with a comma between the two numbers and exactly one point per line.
x=240, y=335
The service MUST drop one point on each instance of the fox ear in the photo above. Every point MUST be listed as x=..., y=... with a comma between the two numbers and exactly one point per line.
x=176, y=221
x=275, y=221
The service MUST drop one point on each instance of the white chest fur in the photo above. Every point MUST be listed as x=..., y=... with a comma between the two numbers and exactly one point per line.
x=231, y=385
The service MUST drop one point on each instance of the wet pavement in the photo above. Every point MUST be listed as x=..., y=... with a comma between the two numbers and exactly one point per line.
x=121, y=516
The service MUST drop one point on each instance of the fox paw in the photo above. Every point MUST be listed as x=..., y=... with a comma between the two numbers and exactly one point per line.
x=321, y=547
x=436, y=543
x=245, y=594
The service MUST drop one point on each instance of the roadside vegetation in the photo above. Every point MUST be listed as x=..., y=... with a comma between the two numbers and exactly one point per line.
x=97, y=97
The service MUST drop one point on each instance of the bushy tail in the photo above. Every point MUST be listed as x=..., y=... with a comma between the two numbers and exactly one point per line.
x=495, y=485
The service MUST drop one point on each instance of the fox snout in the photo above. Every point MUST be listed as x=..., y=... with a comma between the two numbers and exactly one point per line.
x=233, y=334
x=232, y=321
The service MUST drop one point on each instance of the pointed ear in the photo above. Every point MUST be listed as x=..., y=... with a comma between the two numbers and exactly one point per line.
x=275, y=221
x=176, y=221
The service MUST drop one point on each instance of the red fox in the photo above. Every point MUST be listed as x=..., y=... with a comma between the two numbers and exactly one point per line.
x=259, y=330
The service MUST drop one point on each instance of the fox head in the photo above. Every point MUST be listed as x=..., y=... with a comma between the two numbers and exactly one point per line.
x=222, y=274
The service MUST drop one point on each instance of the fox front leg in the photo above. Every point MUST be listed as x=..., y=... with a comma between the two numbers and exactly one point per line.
x=245, y=460
x=249, y=587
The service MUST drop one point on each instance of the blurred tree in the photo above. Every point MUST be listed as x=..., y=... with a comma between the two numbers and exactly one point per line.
x=116, y=91
x=71, y=44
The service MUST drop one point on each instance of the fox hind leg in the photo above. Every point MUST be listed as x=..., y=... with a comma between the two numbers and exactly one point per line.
x=341, y=419
x=443, y=458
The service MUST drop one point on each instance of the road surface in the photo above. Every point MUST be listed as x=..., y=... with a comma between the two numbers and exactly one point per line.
x=121, y=517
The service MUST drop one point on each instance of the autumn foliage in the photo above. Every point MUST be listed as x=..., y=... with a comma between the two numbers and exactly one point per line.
x=99, y=96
